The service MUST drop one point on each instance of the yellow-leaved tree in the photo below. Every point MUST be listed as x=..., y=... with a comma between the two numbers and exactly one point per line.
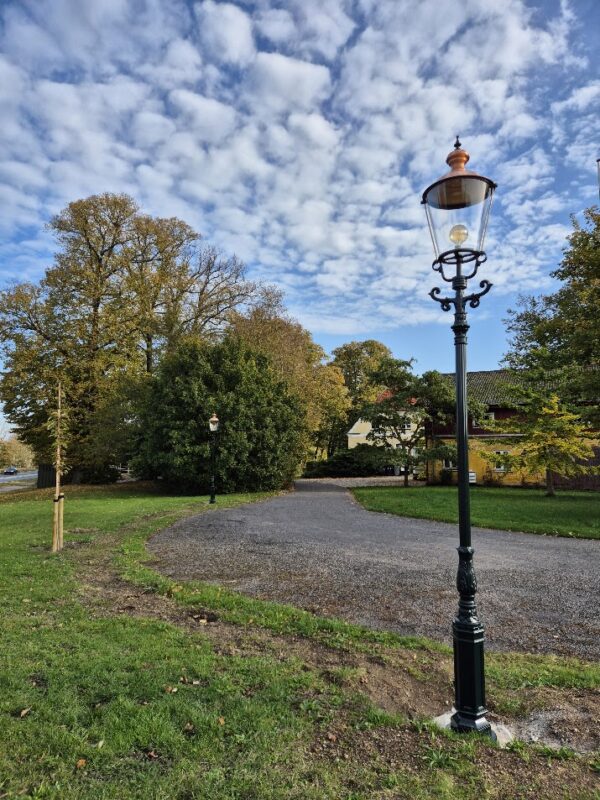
x=549, y=439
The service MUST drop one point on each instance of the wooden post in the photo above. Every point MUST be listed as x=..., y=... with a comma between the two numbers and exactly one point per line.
x=57, y=528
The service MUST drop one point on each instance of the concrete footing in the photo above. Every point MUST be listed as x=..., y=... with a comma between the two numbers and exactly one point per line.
x=504, y=736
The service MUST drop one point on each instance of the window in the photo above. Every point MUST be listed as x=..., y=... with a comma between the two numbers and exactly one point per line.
x=448, y=463
x=500, y=466
x=490, y=416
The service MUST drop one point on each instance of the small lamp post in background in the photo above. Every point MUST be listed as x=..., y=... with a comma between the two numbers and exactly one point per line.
x=213, y=426
x=458, y=207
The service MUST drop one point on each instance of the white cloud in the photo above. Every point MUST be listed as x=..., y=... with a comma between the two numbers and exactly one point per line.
x=212, y=120
x=324, y=26
x=279, y=83
x=225, y=32
x=150, y=128
x=276, y=24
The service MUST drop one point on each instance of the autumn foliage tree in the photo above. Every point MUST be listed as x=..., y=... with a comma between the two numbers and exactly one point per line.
x=298, y=362
x=549, y=439
x=358, y=363
x=124, y=288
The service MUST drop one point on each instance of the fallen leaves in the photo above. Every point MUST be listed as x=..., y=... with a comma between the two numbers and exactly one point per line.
x=24, y=712
x=81, y=763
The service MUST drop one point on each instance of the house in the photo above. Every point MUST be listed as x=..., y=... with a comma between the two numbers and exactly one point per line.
x=491, y=388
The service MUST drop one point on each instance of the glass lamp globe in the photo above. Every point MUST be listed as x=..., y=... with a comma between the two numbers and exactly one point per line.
x=458, y=206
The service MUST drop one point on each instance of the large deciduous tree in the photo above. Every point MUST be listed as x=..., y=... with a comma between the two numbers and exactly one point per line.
x=124, y=288
x=261, y=420
x=556, y=335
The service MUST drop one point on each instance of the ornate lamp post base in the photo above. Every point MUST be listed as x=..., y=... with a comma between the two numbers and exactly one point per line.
x=469, y=679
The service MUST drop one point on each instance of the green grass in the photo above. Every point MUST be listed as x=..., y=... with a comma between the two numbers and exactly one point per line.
x=87, y=707
x=570, y=514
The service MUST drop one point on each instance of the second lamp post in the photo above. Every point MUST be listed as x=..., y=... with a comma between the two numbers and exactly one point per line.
x=458, y=208
x=213, y=427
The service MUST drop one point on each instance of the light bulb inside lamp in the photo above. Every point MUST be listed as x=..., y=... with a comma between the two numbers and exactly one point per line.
x=458, y=234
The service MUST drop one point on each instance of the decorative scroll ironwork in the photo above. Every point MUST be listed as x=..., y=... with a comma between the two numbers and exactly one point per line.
x=456, y=259
x=445, y=302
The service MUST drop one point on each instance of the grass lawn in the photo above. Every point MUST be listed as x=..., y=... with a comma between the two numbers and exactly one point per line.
x=574, y=514
x=115, y=684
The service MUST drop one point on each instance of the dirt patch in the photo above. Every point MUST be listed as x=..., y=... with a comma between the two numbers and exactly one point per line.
x=411, y=754
x=562, y=719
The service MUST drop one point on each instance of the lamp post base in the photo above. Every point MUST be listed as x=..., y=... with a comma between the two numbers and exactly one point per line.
x=460, y=723
x=469, y=675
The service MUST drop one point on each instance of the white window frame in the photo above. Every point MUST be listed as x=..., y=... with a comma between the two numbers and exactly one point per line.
x=498, y=466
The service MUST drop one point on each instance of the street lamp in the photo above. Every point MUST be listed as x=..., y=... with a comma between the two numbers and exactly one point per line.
x=458, y=208
x=213, y=426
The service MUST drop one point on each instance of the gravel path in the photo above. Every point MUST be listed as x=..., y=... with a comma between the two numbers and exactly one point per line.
x=316, y=548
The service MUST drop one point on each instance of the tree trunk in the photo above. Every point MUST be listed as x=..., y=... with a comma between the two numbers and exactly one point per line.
x=550, y=484
x=149, y=354
x=406, y=475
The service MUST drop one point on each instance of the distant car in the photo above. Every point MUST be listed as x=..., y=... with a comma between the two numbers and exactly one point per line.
x=11, y=471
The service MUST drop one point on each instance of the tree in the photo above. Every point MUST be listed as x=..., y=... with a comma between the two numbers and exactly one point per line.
x=358, y=363
x=400, y=416
x=297, y=361
x=15, y=453
x=262, y=422
x=124, y=288
x=551, y=439
x=555, y=336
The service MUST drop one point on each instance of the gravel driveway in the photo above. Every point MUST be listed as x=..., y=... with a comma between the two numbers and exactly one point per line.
x=316, y=548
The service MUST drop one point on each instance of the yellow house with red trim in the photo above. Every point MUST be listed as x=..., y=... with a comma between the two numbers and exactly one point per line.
x=489, y=387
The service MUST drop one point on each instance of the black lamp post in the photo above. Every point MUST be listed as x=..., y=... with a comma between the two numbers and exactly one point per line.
x=213, y=426
x=458, y=207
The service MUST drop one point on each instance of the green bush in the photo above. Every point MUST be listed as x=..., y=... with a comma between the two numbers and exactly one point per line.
x=260, y=436
x=360, y=461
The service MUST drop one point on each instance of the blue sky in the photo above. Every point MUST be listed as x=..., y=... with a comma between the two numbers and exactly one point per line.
x=300, y=135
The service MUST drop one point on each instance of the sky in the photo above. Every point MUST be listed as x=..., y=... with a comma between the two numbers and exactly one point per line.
x=300, y=134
